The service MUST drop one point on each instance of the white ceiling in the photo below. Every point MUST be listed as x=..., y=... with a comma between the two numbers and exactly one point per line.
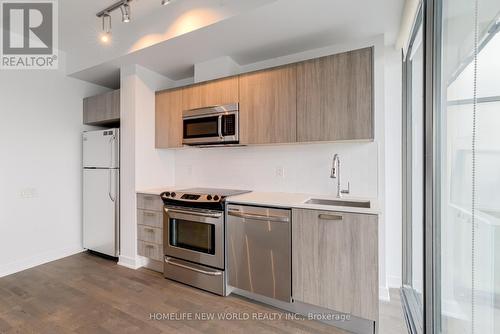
x=247, y=31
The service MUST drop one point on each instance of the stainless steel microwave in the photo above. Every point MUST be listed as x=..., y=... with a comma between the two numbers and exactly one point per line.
x=211, y=125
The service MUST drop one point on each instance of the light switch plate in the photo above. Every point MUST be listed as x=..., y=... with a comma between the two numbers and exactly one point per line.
x=280, y=172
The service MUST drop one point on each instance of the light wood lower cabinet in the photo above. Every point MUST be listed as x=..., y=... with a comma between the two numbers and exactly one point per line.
x=335, y=261
x=150, y=229
x=268, y=109
x=150, y=218
x=150, y=250
x=150, y=234
x=149, y=202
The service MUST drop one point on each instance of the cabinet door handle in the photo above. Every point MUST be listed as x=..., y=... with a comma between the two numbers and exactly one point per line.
x=150, y=230
x=150, y=246
x=329, y=217
x=149, y=214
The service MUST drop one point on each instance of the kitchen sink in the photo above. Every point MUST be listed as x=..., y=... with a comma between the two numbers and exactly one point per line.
x=339, y=202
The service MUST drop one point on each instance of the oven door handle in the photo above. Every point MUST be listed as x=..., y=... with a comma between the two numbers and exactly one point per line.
x=195, y=213
x=211, y=273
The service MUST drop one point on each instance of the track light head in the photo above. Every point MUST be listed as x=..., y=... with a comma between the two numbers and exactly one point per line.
x=106, y=28
x=165, y=2
x=104, y=14
x=125, y=8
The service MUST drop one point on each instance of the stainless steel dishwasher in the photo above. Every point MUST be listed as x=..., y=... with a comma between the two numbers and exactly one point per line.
x=259, y=251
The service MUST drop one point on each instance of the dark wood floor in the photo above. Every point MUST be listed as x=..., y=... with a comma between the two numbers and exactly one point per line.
x=88, y=294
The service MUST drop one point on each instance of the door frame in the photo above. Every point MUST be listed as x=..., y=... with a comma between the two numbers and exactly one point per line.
x=432, y=20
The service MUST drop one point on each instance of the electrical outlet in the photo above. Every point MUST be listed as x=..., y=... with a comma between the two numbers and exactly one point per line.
x=280, y=172
x=29, y=193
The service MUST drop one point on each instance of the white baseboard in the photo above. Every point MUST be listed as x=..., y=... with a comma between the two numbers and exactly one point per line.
x=383, y=294
x=39, y=259
x=129, y=262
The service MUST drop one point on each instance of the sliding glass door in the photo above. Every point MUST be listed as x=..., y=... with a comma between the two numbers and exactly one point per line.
x=462, y=222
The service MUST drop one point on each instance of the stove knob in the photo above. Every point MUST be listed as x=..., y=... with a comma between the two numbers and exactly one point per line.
x=172, y=194
x=209, y=197
x=167, y=194
x=216, y=198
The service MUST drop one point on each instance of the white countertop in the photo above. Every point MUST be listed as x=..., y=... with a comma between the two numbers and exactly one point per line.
x=283, y=200
x=156, y=191
x=294, y=200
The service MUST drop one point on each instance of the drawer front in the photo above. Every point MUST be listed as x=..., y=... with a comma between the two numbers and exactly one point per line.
x=149, y=202
x=150, y=218
x=150, y=250
x=150, y=234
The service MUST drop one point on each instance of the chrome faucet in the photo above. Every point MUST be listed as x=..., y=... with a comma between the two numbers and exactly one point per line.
x=335, y=174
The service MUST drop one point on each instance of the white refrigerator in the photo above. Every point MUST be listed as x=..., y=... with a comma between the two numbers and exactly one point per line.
x=101, y=188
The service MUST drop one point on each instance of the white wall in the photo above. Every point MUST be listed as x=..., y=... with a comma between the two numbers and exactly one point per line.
x=152, y=167
x=306, y=168
x=142, y=166
x=393, y=165
x=41, y=167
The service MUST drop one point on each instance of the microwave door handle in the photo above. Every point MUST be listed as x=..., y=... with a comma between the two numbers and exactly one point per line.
x=219, y=128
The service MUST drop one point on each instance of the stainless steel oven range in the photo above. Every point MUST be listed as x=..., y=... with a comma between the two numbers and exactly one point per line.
x=194, y=230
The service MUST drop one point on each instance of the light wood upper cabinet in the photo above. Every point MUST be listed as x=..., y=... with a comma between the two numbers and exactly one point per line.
x=268, y=112
x=335, y=97
x=335, y=261
x=324, y=99
x=212, y=93
x=102, y=109
x=168, y=124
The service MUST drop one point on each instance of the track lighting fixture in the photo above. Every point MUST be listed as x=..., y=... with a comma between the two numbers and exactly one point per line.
x=124, y=7
x=125, y=12
x=165, y=2
x=106, y=28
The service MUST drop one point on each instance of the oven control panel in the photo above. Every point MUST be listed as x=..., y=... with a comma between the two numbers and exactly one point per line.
x=187, y=197
x=190, y=197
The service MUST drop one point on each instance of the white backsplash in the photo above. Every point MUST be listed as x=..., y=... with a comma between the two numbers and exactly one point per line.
x=281, y=168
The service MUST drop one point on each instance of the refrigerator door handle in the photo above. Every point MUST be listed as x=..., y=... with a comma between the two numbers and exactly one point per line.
x=111, y=156
x=110, y=171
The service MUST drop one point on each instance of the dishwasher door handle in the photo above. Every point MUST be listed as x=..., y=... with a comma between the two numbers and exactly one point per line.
x=324, y=216
x=281, y=219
